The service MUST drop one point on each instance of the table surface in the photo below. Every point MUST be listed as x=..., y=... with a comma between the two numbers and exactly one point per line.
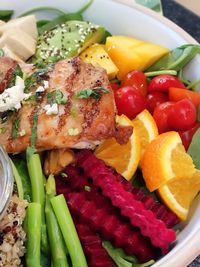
x=177, y=14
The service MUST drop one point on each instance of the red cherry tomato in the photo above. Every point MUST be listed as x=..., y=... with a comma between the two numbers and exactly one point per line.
x=129, y=101
x=176, y=94
x=162, y=83
x=154, y=99
x=114, y=86
x=160, y=115
x=183, y=115
x=136, y=78
x=187, y=135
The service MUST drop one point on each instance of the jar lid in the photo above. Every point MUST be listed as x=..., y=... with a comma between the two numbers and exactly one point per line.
x=6, y=180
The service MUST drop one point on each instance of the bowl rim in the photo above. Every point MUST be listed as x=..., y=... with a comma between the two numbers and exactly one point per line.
x=170, y=24
x=191, y=242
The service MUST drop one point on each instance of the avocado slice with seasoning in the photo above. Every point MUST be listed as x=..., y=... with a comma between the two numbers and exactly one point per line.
x=67, y=40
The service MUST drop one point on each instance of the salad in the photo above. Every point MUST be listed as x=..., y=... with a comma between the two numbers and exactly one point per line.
x=103, y=133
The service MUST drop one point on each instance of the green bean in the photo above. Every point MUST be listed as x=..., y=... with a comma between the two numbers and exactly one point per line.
x=69, y=231
x=38, y=194
x=57, y=246
x=33, y=226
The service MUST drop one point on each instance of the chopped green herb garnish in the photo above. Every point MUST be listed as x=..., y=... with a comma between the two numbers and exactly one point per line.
x=87, y=188
x=43, y=71
x=31, y=149
x=17, y=72
x=64, y=175
x=15, y=128
x=1, y=53
x=95, y=93
x=2, y=130
x=56, y=97
x=29, y=82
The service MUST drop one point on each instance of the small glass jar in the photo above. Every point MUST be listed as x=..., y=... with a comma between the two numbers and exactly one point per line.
x=6, y=181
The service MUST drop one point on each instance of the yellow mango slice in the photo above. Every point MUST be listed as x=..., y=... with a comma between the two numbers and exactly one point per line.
x=130, y=54
x=96, y=55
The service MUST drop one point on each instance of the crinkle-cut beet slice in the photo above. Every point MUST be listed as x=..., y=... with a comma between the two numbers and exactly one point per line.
x=160, y=210
x=110, y=227
x=96, y=255
x=139, y=216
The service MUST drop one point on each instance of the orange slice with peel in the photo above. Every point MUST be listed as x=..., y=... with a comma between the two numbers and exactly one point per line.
x=123, y=158
x=179, y=193
x=146, y=126
x=165, y=158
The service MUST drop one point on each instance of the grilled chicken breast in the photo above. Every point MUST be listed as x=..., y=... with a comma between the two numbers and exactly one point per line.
x=78, y=120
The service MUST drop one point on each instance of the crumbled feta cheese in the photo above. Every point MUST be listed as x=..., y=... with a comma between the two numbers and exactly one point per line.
x=12, y=97
x=73, y=131
x=46, y=84
x=40, y=89
x=51, y=110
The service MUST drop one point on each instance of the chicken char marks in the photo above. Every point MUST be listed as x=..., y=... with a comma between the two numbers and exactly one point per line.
x=80, y=122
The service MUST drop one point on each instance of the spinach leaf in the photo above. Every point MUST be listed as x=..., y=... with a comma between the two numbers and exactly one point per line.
x=41, y=23
x=15, y=128
x=21, y=167
x=198, y=113
x=176, y=59
x=194, y=149
x=121, y=259
x=42, y=8
x=59, y=20
x=95, y=93
x=6, y=15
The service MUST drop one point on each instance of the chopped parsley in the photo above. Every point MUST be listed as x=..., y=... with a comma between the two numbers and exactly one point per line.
x=43, y=71
x=95, y=93
x=31, y=149
x=15, y=128
x=17, y=72
x=56, y=97
x=29, y=82
x=2, y=130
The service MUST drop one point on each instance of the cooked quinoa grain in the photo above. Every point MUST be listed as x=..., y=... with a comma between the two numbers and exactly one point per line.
x=12, y=235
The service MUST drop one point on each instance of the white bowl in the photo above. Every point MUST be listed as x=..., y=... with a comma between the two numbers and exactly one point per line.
x=124, y=17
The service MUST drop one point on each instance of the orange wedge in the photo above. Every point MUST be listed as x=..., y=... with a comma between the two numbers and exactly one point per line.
x=165, y=158
x=123, y=158
x=146, y=126
x=178, y=194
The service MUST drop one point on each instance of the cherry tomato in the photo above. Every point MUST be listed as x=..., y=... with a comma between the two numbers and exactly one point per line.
x=114, y=86
x=154, y=99
x=136, y=78
x=176, y=94
x=182, y=115
x=162, y=83
x=160, y=115
x=187, y=135
x=129, y=101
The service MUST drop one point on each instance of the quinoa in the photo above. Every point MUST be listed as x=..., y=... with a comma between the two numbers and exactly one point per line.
x=12, y=235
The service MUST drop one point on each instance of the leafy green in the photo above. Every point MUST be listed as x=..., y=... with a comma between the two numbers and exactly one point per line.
x=198, y=113
x=59, y=20
x=17, y=72
x=41, y=23
x=57, y=97
x=1, y=53
x=21, y=167
x=15, y=128
x=6, y=15
x=42, y=8
x=160, y=72
x=95, y=93
x=194, y=149
x=18, y=181
x=176, y=59
x=121, y=259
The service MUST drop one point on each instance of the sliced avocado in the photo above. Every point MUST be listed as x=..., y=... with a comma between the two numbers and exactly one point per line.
x=66, y=40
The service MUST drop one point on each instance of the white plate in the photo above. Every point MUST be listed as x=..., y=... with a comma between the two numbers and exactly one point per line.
x=124, y=17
